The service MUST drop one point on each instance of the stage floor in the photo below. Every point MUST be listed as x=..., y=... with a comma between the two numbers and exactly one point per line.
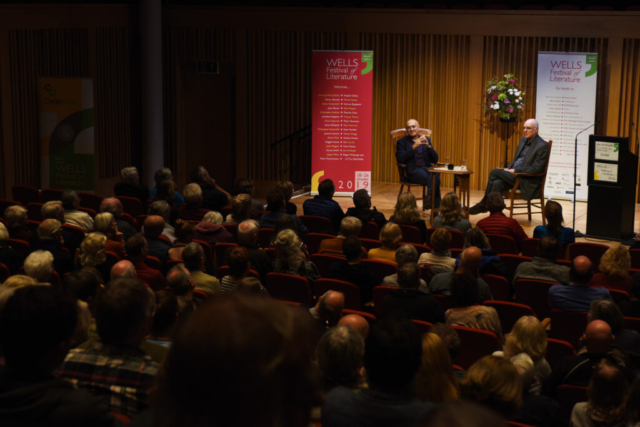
x=384, y=197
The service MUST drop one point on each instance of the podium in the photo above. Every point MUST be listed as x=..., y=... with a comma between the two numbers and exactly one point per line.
x=612, y=188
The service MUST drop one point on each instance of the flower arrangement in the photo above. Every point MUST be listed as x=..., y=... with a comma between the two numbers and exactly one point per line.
x=504, y=97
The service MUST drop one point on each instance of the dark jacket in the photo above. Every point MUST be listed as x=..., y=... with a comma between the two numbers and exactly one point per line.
x=127, y=189
x=365, y=215
x=406, y=154
x=62, y=260
x=534, y=162
x=358, y=274
x=414, y=304
x=213, y=199
x=326, y=207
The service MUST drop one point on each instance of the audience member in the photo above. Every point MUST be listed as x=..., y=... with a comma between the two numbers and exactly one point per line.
x=577, y=295
x=84, y=285
x=390, y=237
x=324, y=205
x=162, y=208
x=328, y=309
x=451, y=339
x=193, y=257
x=39, y=266
x=470, y=261
x=213, y=196
x=363, y=211
x=352, y=270
x=439, y=259
x=463, y=413
x=123, y=269
x=138, y=250
x=130, y=185
x=632, y=409
x=164, y=319
x=92, y=253
x=153, y=228
x=468, y=309
x=184, y=232
x=29, y=394
x=247, y=186
x=163, y=174
x=250, y=286
x=544, y=266
x=50, y=239
x=241, y=209
x=607, y=310
x=73, y=216
x=490, y=263
x=276, y=208
x=392, y=357
x=406, y=212
x=629, y=308
x=499, y=223
x=350, y=226
x=17, y=219
x=54, y=210
x=284, y=222
x=19, y=281
x=8, y=256
x=211, y=230
x=451, y=215
x=114, y=207
x=406, y=254
x=180, y=282
x=553, y=214
x=248, y=239
x=193, y=208
x=287, y=189
x=114, y=368
x=435, y=381
x=357, y=323
x=339, y=354
x=239, y=265
x=614, y=270
x=167, y=193
x=494, y=383
x=290, y=259
x=106, y=224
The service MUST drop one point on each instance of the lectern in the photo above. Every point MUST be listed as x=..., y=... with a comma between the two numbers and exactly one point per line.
x=612, y=188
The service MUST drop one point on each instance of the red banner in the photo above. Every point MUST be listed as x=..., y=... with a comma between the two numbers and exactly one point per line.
x=342, y=98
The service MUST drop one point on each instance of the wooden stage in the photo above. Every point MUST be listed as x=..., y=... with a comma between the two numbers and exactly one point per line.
x=384, y=196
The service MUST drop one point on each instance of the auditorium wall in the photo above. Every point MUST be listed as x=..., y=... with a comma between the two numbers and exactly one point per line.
x=430, y=65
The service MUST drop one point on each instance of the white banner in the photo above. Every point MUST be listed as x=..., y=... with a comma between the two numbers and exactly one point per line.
x=565, y=105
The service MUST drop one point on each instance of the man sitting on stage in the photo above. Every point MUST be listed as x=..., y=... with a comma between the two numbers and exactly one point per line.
x=416, y=151
x=531, y=157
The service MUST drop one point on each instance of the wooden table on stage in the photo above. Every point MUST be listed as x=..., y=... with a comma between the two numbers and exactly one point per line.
x=463, y=187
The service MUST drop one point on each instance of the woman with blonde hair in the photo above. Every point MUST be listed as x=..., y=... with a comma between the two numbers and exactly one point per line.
x=241, y=209
x=451, y=214
x=92, y=253
x=614, y=270
x=184, y=232
x=553, y=214
x=106, y=224
x=291, y=259
x=407, y=213
x=435, y=381
x=390, y=236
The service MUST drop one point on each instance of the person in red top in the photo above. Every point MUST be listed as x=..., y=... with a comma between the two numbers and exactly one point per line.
x=499, y=223
x=137, y=250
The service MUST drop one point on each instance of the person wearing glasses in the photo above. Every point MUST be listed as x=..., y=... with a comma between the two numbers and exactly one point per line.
x=531, y=157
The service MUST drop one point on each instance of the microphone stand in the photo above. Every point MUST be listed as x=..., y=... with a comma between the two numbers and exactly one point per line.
x=575, y=178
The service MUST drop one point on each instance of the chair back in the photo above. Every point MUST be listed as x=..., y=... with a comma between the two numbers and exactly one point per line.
x=557, y=349
x=200, y=295
x=370, y=318
x=90, y=200
x=226, y=211
x=369, y=244
x=288, y=287
x=513, y=261
x=324, y=261
x=513, y=423
x=112, y=257
x=568, y=325
x=422, y=326
x=153, y=262
x=530, y=248
x=455, y=252
x=34, y=211
x=131, y=205
x=226, y=271
x=313, y=241
x=89, y=211
x=593, y=251
x=380, y=268
x=140, y=220
x=419, y=247
x=379, y=292
x=632, y=323
x=271, y=254
x=77, y=232
x=457, y=239
x=129, y=220
x=427, y=272
x=410, y=234
x=370, y=230
x=233, y=230
x=618, y=295
x=568, y=395
x=509, y=313
x=49, y=194
x=503, y=244
x=265, y=235
x=474, y=345
x=220, y=249
x=535, y=294
x=635, y=258
x=317, y=224
x=351, y=292
x=446, y=301
x=21, y=246
x=208, y=252
x=498, y=286
x=33, y=226
x=172, y=263
x=25, y=194
x=4, y=273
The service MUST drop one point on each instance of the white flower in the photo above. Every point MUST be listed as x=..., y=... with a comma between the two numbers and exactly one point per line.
x=493, y=87
x=510, y=91
x=520, y=98
x=517, y=93
x=496, y=106
x=517, y=101
x=489, y=90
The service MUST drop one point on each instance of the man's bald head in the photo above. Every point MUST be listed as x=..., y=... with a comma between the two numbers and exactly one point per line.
x=153, y=225
x=598, y=337
x=470, y=260
x=330, y=306
x=111, y=205
x=123, y=269
x=581, y=271
x=357, y=323
x=248, y=232
x=412, y=122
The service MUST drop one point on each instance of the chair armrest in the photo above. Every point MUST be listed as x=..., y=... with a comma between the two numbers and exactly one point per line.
x=401, y=165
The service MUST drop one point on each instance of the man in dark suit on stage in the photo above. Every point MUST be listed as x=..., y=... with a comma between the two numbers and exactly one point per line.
x=531, y=157
x=416, y=151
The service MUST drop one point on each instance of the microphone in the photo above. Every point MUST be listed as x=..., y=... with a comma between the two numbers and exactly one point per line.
x=575, y=177
x=636, y=129
x=588, y=127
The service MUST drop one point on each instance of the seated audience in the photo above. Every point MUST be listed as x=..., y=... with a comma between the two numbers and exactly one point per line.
x=248, y=239
x=353, y=271
x=161, y=175
x=92, y=253
x=439, y=259
x=324, y=205
x=357, y=323
x=211, y=230
x=632, y=410
x=287, y=189
x=463, y=413
x=213, y=196
x=390, y=237
x=246, y=186
x=39, y=266
x=350, y=226
x=106, y=224
x=241, y=209
x=84, y=285
x=553, y=214
x=8, y=256
x=180, y=283
x=167, y=193
x=363, y=211
x=406, y=254
x=193, y=257
x=607, y=310
x=577, y=295
x=138, y=250
x=406, y=212
x=184, y=232
x=162, y=208
x=114, y=368
x=451, y=215
x=290, y=259
x=499, y=223
x=153, y=228
x=544, y=266
x=164, y=319
x=328, y=309
x=451, y=339
x=266, y=379
x=614, y=270
x=411, y=302
x=470, y=261
x=468, y=309
x=629, y=308
x=123, y=269
x=392, y=358
x=275, y=209
x=73, y=216
x=239, y=264
x=54, y=210
x=17, y=219
x=114, y=207
x=495, y=383
x=339, y=355
x=606, y=394
x=19, y=281
x=435, y=381
x=193, y=208
x=29, y=394
x=50, y=239
x=490, y=263
x=130, y=185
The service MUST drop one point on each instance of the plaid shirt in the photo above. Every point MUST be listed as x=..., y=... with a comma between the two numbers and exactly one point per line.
x=122, y=375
